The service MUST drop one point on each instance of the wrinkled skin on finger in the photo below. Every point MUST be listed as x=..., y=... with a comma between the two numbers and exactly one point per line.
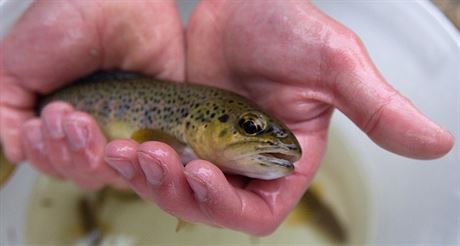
x=57, y=42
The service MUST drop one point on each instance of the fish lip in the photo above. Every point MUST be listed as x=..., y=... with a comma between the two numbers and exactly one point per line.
x=280, y=155
x=282, y=158
x=266, y=163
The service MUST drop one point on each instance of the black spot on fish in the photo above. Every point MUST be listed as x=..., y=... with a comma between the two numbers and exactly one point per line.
x=223, y=118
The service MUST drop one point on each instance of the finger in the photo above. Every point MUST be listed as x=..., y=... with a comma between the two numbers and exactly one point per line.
x=164, y=173
x=84, y=140
x=155, y=172
x=227, y=206
x=260, y=206
x=72, y=167
x=85, y=143
x=388, y=118
x=34, y=147
x=54, y=137
x=15, y=104
x=121, y=155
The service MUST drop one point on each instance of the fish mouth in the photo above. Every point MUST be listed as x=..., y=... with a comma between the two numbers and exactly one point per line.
x=284, y=159
x=279, y=155
x=257, y=160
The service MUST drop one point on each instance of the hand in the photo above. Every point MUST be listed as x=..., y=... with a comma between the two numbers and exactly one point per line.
x=298, y=64
x=56, y=42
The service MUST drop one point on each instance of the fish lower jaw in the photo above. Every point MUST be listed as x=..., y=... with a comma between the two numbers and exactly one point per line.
x=260, y=171
x=272, y=175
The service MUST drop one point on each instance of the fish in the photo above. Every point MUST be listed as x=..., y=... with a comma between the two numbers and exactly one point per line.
x=199, y=121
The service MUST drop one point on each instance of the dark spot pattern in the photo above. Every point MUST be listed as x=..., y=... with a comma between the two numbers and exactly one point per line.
x=223, y=118
x=146, y=103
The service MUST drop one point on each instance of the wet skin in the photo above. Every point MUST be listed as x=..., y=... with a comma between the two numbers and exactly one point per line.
x=288, y=57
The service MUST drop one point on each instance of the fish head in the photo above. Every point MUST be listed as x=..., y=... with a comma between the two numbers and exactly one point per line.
x=253, y=144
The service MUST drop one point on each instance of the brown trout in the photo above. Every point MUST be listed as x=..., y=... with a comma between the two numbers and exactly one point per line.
x=216, y=125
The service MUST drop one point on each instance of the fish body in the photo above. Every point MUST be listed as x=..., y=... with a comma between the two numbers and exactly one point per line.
x=218, y=125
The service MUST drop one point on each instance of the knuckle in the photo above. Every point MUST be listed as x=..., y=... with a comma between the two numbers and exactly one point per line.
x=372, y=121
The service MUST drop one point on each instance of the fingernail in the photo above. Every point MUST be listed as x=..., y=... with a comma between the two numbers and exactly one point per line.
x=34, y=137
x=77, y=134
x=53, y=124
x=153, y=171
x=198, y=186
x=122, y=166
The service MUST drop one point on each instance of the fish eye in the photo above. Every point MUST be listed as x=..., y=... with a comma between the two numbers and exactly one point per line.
x=252, y=124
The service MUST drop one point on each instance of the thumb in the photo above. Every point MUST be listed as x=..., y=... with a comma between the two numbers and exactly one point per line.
x=387, y=117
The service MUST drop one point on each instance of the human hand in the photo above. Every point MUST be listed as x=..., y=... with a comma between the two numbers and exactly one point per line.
x=298, y=64
x=56, y=42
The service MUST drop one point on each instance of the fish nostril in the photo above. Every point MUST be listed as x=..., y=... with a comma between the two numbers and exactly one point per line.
x=278, y=132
